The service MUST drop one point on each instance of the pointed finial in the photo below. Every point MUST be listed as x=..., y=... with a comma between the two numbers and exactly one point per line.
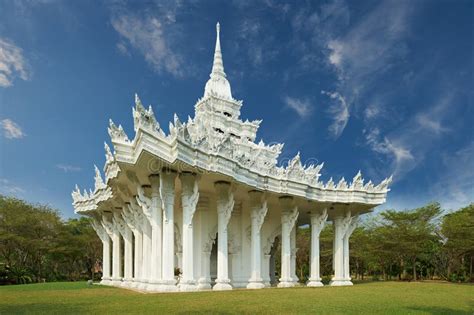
x=218, y=65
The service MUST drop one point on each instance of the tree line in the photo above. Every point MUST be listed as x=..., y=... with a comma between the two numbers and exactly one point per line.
x=37, y=245
x=417, y=244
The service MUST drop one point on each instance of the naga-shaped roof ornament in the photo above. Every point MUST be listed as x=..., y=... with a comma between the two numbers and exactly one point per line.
x=76, y=194
x=109, y=157
x=383, y=186
x=357, y=181
x=342, y=184
x=144, y=118
x=117, y=134
x=369, y=186
x=99, y=183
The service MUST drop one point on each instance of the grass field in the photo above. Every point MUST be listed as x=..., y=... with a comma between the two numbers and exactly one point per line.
x=362, y=298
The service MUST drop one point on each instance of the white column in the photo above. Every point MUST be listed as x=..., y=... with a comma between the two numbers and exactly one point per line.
x=156, y=229
x=317, y=224
x=258, y=208
x=189, y=200
x=104, y=237
x=116, y=255
x=126, y=233
x=225, y=205
x=146, y=254
x=204, y=282
x=266, y=270
x=288, y=219
x=347, y=235
x=131, y=218
x=167, y=186
x=294, y=277
x=341, y=224
x=151, y=207
x=145, y=244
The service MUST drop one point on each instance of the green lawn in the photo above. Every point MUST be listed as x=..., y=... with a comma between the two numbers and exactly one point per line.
x=362, y=298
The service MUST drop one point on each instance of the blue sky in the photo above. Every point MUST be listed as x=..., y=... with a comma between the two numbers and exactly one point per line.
x=381, y=86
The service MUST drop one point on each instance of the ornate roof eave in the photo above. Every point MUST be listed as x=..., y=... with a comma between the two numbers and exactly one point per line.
x=174, y=148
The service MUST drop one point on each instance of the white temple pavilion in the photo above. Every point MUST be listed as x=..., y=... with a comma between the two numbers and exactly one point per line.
x=207, y=202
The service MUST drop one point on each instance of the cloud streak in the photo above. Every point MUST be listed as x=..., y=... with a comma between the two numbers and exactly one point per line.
x=12, y=63
x=11, y=130
x=8, y=188
x=68, y=168
x=302, y=107
x=146, y=35
x=339, y=111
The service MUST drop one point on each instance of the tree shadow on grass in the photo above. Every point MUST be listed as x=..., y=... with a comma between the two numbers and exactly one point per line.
x=438, y=310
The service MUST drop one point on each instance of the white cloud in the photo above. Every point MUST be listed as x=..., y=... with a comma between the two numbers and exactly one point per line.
x=400, y=155
x=359, y=52
x=122, y=48
x=68, y=168
x=302, y=107
x=146, y=34
x=8, y=188
x=372, y=111
x=336, y=55
x=386, y=146
x=430, y=124
x=11, y=130
x=455, y=188
x=12, y=63
x=339, y=110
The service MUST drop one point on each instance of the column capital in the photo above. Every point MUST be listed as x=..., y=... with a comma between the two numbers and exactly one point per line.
x=352, y=226
x=167, y=178
x=222, y=187
x=99, y=229
x=154, y=178
x=189, y=196
x=255, y=196
x=286, y=203
x=318, y=219
x=155, y=184
x=120, y=225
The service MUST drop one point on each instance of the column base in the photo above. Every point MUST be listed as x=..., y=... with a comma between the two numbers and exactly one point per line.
x=286, y=284
x=116, y=282
x=106, y=281
x=314, y=283
x=154, y=286
x=143, y=284
x=222, y=285
x=204, y=284
x=340, y=283
x=187, y=286
x=168, y=286
x=255, y=284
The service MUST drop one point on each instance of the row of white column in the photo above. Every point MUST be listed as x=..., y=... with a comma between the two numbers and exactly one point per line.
x=151, y=222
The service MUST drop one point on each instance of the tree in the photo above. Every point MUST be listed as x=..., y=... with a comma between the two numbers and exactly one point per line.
x=457, y=230
x=410, y=232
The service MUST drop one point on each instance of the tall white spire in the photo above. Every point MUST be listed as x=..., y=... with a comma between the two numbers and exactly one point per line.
x=218, y=65
x=218, y=85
